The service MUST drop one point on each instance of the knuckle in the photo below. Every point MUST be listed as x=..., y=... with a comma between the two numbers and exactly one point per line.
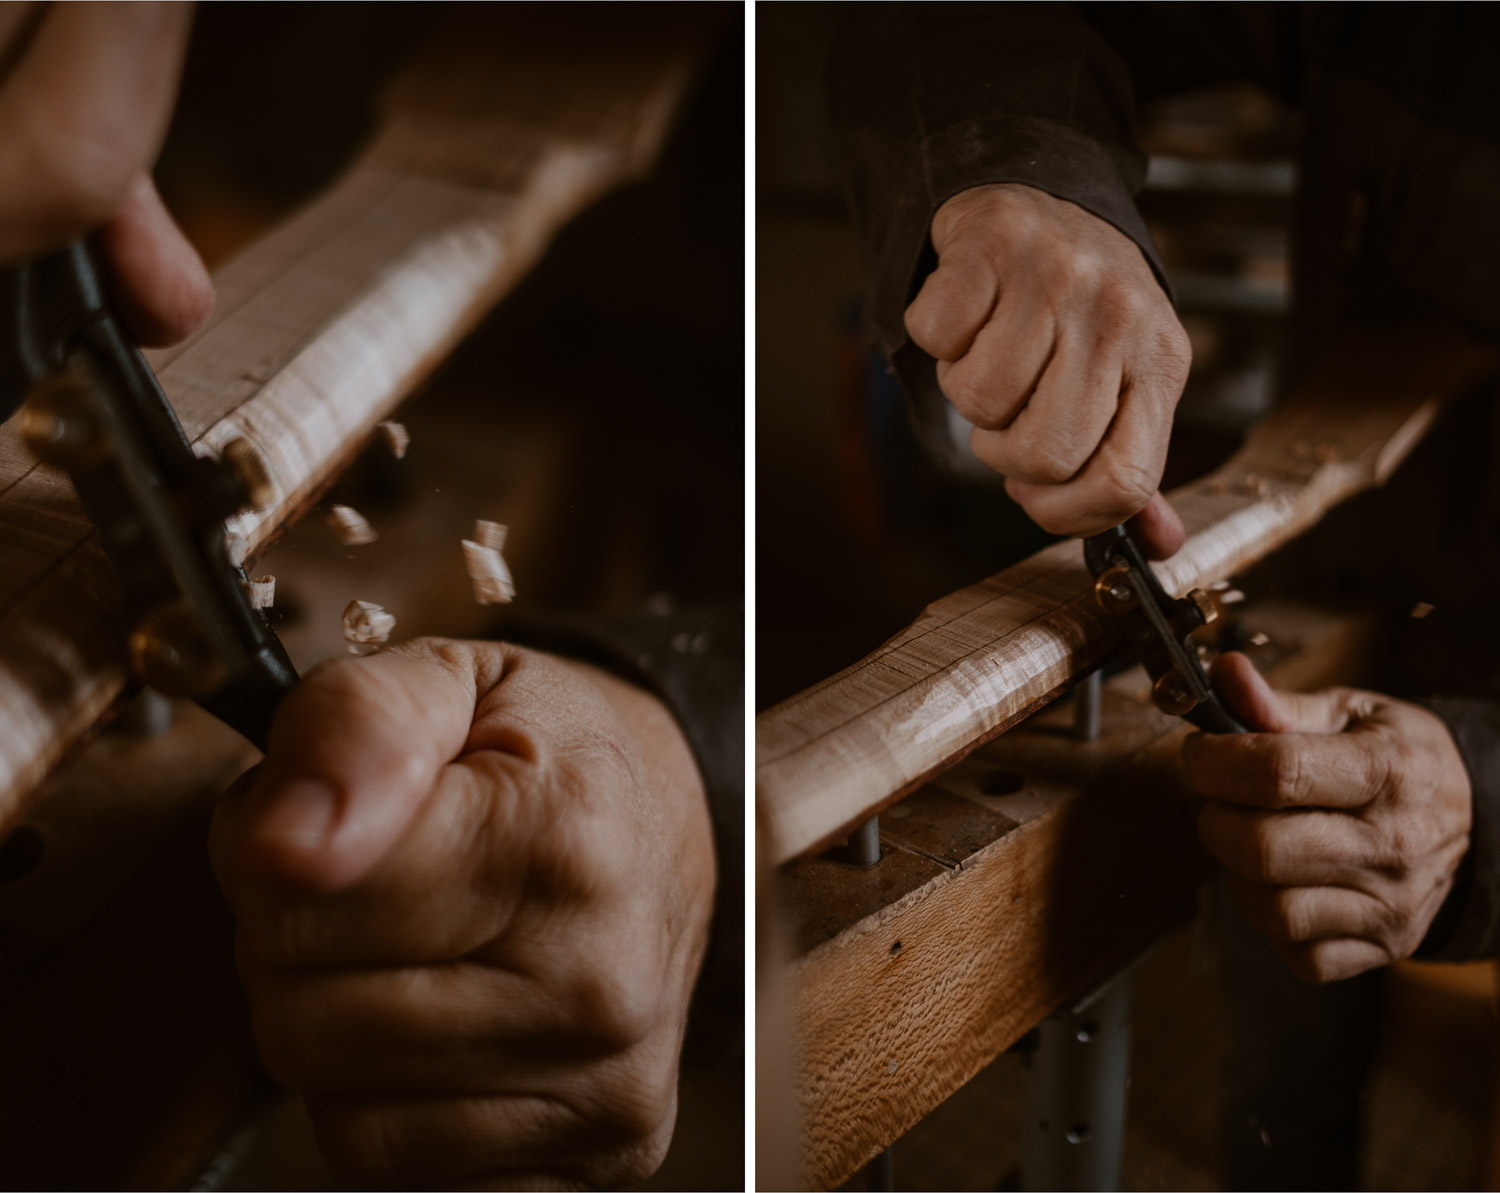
x=1128, y=487
x=1285, y=779
x=1176, y=349
x=1259, y=851
x=976, y=397
x=1042, y=455
x=618, y=1004
x=923, y=325
x=635, y=1163
x=1290, y=917
x=638, y=1107
x=1318, y=966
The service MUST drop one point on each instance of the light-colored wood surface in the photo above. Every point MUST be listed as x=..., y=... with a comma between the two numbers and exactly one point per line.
x=988, y=911
x=977, y=661
x=492, y=141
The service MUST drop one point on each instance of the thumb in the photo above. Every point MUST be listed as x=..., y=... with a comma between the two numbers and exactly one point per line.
x=1263, y=710
x=1158, y=529
x=155, y=275
x=354, y=751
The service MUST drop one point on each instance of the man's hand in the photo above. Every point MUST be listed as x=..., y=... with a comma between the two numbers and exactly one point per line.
x=86, y=91
x=474, y=886
x=1053, y=337
x=1341, y=822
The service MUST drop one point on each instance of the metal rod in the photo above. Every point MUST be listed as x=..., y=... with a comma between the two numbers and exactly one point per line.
x=864, y=843
x=1074, y=1101
x=1087, y=698
x=880, y=1173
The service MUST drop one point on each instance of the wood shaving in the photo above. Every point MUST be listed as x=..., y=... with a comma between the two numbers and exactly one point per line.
x=1232, y=597
x=261, y=591
x=396, y=438
x=490, y=534
x=1421, y=609
x=366, y=622
x=1218, y=586
x=236, y=546
x=351, y=527
x=488, y=574
x=1259, y=639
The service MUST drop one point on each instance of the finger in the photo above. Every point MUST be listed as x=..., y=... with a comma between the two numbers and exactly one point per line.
x=955, y=301
x=1157, y=529
x=1263, y=709
x=998, y=374
x=463, y=1027
x=1299, y=914
x=82, y=112
x=1333, y=960
x=1279, y=849
x=354, y=750
x=607, y=1137
x=156, y=277
x=1059, y=429
x=1288, y=770
x=1118, y=481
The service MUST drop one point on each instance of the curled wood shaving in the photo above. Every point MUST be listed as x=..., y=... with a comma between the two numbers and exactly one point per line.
x=490, y=534
x=262, y=592
x=1258, y=639
x=396, y=438
x=488, y=574
x=1232, y=597
x=1421, y=609
x=351, y=527
x=366, y=622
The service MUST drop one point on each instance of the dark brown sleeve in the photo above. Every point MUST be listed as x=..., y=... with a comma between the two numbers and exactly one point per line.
x=928, y=100
x=1468, y=926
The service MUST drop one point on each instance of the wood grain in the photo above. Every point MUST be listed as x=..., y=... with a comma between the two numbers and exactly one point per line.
x=988, y=911
x=490, y=142
x=979, y=660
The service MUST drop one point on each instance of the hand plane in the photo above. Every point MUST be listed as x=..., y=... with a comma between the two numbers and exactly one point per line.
x=93, y=408
x=1126, y=587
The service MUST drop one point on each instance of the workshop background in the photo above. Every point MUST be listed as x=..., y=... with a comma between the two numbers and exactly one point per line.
x=856, y=531
x=598, y=412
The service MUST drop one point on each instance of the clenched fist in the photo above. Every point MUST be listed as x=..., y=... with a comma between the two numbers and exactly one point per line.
x=1342, y=821
x=1053, y=337
x=474, y=886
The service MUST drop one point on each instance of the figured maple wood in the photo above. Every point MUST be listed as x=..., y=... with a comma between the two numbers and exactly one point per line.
x=977, y=661
x=490, y=142
x=986, y=912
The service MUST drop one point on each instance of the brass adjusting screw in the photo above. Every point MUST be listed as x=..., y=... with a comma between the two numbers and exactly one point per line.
x=59, y=424
x=1172, y=694
x=1204, y=603
x=169, y=651
x=1114, y=591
